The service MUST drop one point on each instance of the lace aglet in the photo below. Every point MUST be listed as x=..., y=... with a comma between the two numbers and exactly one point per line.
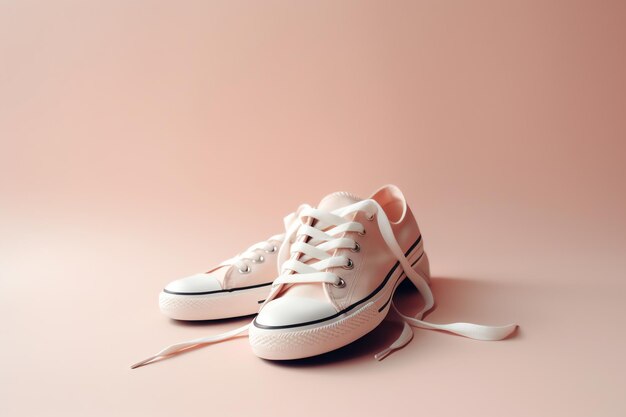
x=143, y=362
x=382, y=355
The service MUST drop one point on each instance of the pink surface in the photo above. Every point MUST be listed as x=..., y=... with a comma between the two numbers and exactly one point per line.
x=145, y=141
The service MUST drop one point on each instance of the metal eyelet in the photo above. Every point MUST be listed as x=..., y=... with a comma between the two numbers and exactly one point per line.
x=340, y=284
x=260, y=260
x=245, y=271
x=350, y=264
x=370, y=218
x=363, y=233
x=356, y=248
x=274, y=249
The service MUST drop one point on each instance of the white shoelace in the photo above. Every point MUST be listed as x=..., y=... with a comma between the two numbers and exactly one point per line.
x=314, y=243
x=252, y=254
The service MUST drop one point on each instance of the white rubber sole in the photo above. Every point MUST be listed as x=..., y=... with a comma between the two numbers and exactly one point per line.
x=220, y=305
x=316, y=339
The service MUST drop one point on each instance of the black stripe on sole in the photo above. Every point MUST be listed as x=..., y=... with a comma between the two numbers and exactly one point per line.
x=217, y=291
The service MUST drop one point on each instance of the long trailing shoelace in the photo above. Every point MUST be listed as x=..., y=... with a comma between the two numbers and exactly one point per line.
x=310, y=240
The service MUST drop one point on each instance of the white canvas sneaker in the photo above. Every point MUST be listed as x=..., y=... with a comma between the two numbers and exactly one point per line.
x=236, y=287
x=340, y=265
x=339, y=282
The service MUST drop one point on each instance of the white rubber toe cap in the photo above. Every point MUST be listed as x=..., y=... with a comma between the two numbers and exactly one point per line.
x=293, y=311
x=194, y=284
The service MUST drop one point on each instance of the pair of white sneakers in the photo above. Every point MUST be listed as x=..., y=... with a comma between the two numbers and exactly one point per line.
x=338, y=267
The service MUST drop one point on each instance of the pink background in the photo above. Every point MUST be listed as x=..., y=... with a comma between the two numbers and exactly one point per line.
x=143, y=141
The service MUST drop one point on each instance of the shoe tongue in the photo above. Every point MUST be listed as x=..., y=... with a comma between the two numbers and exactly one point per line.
x=337, y=200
